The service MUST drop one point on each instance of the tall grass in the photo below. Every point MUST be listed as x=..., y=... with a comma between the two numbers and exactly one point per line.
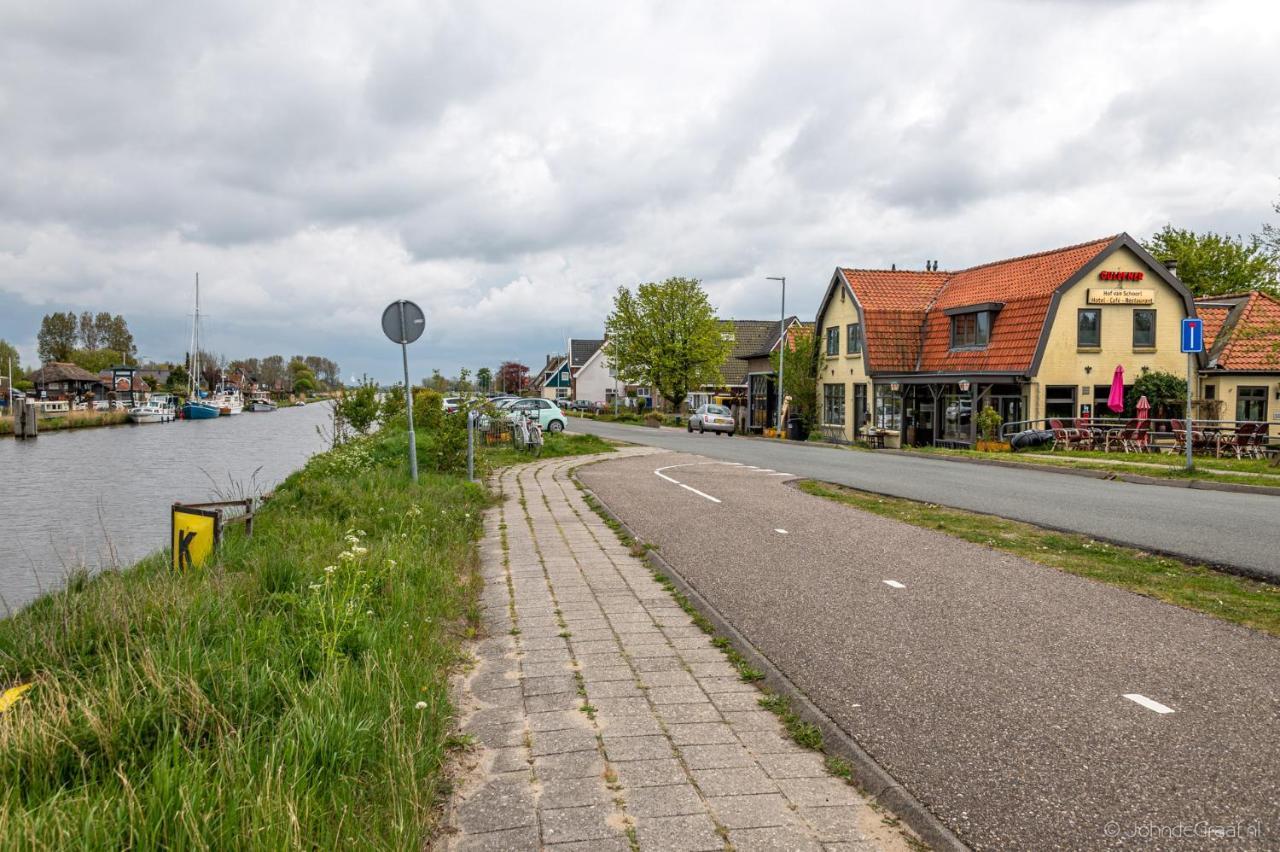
x=71, y=420
x=291, y=694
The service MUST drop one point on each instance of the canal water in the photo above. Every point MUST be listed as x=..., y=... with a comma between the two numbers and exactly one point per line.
x=95, y=498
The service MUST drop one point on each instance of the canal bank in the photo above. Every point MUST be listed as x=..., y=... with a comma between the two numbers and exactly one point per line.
x=96, y=498
x=291, y=693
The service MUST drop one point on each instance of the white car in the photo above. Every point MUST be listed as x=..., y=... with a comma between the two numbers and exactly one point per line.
x=712, y=418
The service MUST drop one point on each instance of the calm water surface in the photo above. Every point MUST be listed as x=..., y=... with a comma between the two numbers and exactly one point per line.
x=97, y=497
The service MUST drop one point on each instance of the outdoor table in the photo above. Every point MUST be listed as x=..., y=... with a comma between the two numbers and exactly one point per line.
x=875, y=440
x=1214, y=434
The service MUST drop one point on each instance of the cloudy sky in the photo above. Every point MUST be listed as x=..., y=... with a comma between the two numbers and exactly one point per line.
x=509, y=165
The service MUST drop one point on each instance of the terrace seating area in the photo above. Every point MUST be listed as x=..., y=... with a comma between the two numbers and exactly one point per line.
x=1217, y=438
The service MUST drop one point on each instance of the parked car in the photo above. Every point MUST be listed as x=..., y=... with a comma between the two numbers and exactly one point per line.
x=711, y=418
x=586, y=405
x=548, y=413
x=451, y=403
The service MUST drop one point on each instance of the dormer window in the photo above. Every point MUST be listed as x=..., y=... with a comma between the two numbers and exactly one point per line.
x=971, y=325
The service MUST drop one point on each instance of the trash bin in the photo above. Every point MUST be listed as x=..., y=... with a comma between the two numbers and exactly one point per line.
x=797, y=429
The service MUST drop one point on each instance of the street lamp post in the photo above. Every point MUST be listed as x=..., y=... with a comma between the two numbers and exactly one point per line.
x=782, y=345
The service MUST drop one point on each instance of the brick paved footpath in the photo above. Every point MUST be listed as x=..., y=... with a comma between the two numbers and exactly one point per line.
x=677, y=753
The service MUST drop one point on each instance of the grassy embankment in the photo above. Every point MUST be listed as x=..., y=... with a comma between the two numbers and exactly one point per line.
x=1159, y=465
x=293, y=694
x=72, y=420
x=1197, y=587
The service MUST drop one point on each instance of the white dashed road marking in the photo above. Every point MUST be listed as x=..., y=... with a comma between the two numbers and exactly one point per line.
x=1147, y=702
x=660, y=473
x=784, y=532
x=894, y=584
x=764, y=470
x=782, y=474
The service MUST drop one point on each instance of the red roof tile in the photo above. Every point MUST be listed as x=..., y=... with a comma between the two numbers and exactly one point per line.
x=896, y=305
x=1214, y=316
x=1252, y=336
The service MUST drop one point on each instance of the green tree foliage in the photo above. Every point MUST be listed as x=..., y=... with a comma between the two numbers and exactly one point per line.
x=178, y=379
x=359, y=406
x=1270, y=237
x=58, y=335
x=438, y=382
x=1166, y=392
x=392, y=411
x=464, y=379
x=304, y=382
x=9, y=354
x=666, y=335
x=800, y=373
x=95, y=360
x=484, y=379
x=1215, y=264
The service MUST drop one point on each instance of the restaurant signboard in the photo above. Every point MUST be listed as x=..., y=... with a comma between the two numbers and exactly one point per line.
x=1120, y=296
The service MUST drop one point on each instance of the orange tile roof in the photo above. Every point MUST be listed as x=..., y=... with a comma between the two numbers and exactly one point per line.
x=1214, y=315
x=896, y=305
x=1252, y=331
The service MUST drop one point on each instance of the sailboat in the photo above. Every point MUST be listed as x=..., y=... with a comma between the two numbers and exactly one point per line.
x=196, y=407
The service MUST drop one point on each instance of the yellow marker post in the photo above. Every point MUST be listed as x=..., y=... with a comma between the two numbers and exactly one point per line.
x=195, y=533
x=12, y=694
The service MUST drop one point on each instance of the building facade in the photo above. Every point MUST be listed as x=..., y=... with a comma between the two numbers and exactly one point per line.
x=1240, y=379
x=1034, y=337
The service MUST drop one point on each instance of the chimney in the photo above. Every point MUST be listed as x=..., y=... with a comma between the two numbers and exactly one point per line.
x=893, y=267
x=1171, y=264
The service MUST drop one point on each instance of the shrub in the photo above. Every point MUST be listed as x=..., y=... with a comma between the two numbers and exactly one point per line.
x=989, y=421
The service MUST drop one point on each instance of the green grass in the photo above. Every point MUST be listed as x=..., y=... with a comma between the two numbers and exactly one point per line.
x=554, y=446
x=1159, y=465
x=292, y=693
x=71, y=420
x=1236, y=599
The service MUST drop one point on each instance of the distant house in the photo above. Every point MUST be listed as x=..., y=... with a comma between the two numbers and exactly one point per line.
x=1241, y=371
x=597, y=381
x=749, y=338
x=61, y=380
x=554, y=381
x=762, y=379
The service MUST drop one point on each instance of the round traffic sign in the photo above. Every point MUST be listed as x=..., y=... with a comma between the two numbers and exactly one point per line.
x=403, y=321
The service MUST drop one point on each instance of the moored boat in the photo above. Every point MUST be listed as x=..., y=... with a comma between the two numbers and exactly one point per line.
x=159, y=408
x=260, y=402
x=197, y=407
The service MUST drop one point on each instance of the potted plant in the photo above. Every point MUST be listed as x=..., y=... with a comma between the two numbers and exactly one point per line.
x=989, y=422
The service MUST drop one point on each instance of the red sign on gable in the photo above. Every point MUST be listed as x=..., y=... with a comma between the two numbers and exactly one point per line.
x=1120, y=276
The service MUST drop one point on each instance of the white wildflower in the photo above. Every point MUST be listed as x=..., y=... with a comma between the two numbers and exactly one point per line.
x=391, y=563
x=361, y=533
x=329, y=569
x=360, y=551
x=345, y=555
x=421, y=705
x=315, y=587
x=368, y=612
x=350, y=539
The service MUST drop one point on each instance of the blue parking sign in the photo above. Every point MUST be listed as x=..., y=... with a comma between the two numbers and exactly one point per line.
x=1192, y=335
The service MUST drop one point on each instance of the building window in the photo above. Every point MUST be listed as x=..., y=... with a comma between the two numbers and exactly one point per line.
x=971, y=331
x=833, y=405
x=1060, y=401
x=562, y=393
x=888, y=403
x=854, y=344
x=833, y=340
x=1210, y=391
x=1251, y=403
x=1089, y=328
x=1144, y=329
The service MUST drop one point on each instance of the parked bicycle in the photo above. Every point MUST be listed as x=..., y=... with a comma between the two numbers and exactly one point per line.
x=526, y=432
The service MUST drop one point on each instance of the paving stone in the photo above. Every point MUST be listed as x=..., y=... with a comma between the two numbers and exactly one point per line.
x=782, y=839
x=756, y=811
x=622, y=706
x=549, y=685
x=614, y=689
x=684, y=714
x=835, y=824
x=541, y=670
x=649, y=773
x=557, y=720
x=676, y=694
x=752, y=720
x=768, y=742
x=619, y=843
x=806, y=765
x=712, y=685
x=736, y=702
x=559, y=742
x=554, y=701
x=508, y=759
x=669, y=800
x=499, y=736
x=715, y=756
x=815, y=792
x=741, y=781
x=693, y=833
x=511, y=840
x=701, y=733
x=658, y=664
x=676, y=678
x=573, y=792
x=604, y=673
x=636, y=748
x=566, y=825
x=496, y=806
x=572, y=764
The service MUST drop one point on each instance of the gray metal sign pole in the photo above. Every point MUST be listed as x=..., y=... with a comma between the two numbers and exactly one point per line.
x=408, y=396
x=1191, y=377
x=782, y=350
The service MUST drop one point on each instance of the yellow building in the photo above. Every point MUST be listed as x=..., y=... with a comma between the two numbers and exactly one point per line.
x=1240, y=380
x=1034, y=337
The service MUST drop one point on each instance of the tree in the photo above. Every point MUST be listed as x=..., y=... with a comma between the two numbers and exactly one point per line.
x=1166, y=392
x=272, y=370
x=464, y=380
x=484, y=379
x=437, y=382
x=800, y=373
x=117, y=336
x=9, y=356
x=178, y=379
x=1215, y=264
x=88, y=331
x=667, y=335
x=94, y=360
x=303, y=381
x=1270, y=237
x=57, y=337
x=513, y=377
x=359, y=407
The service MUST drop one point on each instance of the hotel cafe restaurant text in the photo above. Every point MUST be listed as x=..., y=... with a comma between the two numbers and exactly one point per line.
x=1040, y=336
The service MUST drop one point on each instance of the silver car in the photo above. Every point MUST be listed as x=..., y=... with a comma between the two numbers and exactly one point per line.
x=712, y=418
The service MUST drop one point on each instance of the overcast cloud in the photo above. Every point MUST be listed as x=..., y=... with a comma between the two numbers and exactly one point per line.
x=509, y=165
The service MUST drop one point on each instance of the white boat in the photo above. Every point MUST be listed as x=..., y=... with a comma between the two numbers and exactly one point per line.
x=159, y=408
x=260, y=402
x=228, y=399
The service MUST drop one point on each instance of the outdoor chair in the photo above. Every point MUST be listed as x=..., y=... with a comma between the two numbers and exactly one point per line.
x=1124, y=438
x=1240, y=442
x=1259, y=441
x=1179, y=430
x=1141, y=438
x=1063, y=435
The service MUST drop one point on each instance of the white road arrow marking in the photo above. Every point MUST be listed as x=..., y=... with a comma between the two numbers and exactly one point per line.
x=1147, y=702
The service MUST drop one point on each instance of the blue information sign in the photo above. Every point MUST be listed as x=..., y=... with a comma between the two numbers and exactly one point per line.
x=1192, y=335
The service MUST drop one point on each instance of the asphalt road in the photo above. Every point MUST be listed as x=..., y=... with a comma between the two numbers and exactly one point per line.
x=992, y=688
x=1221, y=528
